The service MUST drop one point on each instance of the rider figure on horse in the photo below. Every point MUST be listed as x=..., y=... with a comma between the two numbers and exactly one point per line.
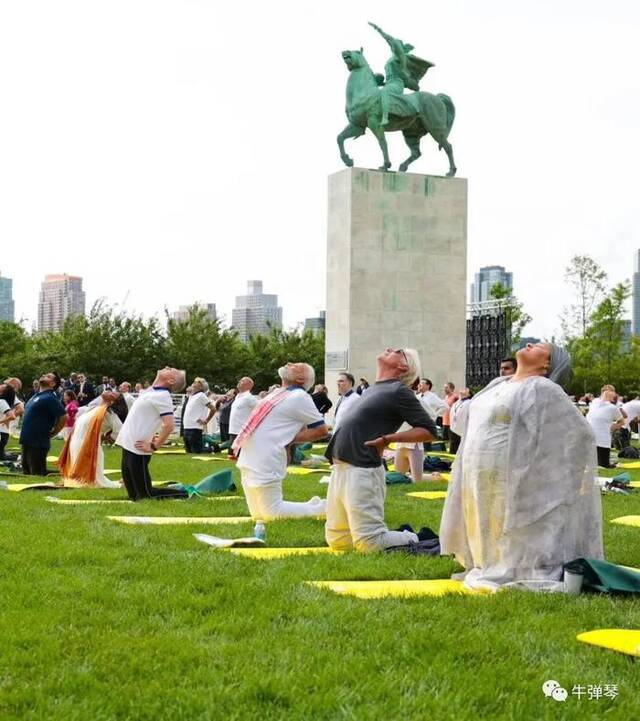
x=402, y=70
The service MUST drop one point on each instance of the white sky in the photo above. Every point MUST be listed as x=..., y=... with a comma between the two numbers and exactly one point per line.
x=192, y=140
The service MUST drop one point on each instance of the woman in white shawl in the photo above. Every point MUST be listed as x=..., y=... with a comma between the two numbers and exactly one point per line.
x=522, y=499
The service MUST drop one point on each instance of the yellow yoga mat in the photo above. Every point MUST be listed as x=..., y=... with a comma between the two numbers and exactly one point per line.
x=52, y=459
x=268, y=554
x=623, y=640
x=178, y=520
x=428, y=495
x=319, y=446
x=24, y=486
x=635, y=484
x=384, y=589
x=627, y=521
x=169, y=452
x=208, y=458
x=83, y=501
x=299, y=471
x=111, y=470
x=441, y=454
x=633, y=464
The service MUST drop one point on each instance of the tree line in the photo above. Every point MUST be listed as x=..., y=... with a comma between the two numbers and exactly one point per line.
x=131, y=347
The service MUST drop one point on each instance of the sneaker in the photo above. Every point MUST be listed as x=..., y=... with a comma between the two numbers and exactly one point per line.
x=405, y=527
x=426, y=534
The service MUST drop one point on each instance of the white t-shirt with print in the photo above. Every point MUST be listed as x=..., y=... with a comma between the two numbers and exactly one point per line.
x=601, y=418
x=263, y=458
x=241, y=409
x=197, y=409
x=144, y=418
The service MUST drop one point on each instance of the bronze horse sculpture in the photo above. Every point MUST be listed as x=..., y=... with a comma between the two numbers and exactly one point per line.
x=414, y=114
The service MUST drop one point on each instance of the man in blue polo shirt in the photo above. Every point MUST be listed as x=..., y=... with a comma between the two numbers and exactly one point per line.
x=44, y=418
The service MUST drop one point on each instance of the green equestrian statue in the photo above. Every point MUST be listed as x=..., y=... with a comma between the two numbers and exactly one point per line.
x=380, y=103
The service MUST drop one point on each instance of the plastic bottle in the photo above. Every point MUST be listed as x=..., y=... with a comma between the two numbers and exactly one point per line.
x=260, y=530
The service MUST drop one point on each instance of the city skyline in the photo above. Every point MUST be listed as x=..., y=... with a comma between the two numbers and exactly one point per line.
x=256, y=312
x=61, y=295
x=7, y=306
x=143, y=168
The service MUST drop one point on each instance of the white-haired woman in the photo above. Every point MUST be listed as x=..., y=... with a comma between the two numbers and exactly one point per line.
x=197, y=414
x=522, y=500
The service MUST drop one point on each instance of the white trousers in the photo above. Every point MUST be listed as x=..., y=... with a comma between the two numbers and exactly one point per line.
x=355, y=511
x=266, y=503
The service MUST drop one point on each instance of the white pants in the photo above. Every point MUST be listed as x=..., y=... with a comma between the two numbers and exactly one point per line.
x=412, y=458
x=355, y=511
x=266, y=503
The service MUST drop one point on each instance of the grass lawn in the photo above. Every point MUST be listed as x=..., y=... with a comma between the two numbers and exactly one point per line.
x=106, y=621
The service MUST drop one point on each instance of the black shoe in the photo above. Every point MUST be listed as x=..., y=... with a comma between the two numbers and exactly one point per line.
x=421, y=548
x=426, y=534
x=405, y=527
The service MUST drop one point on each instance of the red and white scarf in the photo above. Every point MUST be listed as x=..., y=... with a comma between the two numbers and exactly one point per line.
x=258, y=414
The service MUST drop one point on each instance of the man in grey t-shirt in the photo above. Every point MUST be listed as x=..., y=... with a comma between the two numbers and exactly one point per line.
x=355, y=501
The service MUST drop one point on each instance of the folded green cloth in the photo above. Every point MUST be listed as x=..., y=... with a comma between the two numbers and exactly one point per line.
x=605, y=577
x=393, y=477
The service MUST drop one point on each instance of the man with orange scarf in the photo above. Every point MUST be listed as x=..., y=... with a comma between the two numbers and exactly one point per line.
x=82, y=459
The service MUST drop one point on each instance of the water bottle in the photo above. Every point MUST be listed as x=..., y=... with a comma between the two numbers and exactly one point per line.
x=260, y=530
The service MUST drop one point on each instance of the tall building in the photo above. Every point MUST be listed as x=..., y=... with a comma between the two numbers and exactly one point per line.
x=182, y=313
x=60, y=297
x=636, y=296
x=256, y=312
x=7, y=308
x=316, y=325
x=486, y=279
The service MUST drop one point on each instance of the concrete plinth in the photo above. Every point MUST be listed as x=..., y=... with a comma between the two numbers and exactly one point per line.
x=396, y=272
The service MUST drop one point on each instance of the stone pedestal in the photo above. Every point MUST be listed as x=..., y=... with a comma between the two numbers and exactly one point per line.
x=396, y=272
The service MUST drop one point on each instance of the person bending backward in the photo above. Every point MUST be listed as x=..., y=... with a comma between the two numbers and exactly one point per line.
x=138, y=438
x=286, y=415
x=198, y=412
x=241, y=409
x=355, y=502
x=44, y=418
x=522, y=500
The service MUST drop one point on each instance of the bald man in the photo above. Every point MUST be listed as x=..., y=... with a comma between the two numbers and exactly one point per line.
x=241, y=409
x=148, y=425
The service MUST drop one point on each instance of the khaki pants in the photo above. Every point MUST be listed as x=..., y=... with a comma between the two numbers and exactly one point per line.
x=266, y=503
x=355, y=511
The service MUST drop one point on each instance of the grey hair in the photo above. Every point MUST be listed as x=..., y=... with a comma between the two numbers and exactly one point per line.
x=310, y=375
x=204, y=386
x=180, y=382
x=560, y=370
x=414, y=369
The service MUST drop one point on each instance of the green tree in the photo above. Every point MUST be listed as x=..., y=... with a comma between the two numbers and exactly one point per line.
x=517, y=318
x=603, y=355
x=203, y=348
x=587, y=279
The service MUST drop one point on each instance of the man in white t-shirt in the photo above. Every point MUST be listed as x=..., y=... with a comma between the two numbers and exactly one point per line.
x=293, y=418
x=348, y=400
x=241, y=409
x=148, y=425
x=197, y=414
x=125, y=389
x=604, y=418
x=631, y=411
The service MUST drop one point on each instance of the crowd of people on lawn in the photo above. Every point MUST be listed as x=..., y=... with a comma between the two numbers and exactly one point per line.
x=522, y=499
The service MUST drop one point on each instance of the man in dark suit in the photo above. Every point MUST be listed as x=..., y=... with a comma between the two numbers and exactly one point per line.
x=84, y=390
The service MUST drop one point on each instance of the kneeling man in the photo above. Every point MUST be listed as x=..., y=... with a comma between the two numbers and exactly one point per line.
x=287, y=415
x=355, y=503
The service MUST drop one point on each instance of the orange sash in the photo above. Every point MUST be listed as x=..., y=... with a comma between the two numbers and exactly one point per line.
x=86, y=463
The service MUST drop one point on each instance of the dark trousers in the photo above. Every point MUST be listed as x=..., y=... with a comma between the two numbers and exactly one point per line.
x=34, y=461
x=4, y=439
x=224, y=432
x=603, y=456
x=232, y=453
x=454, y=442
x=193, y=440
x=137, y=481
x=621, y=438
